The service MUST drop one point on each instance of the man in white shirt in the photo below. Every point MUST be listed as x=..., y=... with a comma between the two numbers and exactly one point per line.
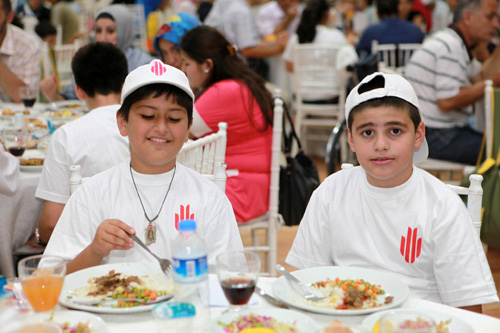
x=20, y=56
x=279, y=15
x=92, y=141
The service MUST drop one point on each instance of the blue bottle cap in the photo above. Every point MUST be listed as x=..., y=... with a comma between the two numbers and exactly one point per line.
x=187, y=225
x=172, y=310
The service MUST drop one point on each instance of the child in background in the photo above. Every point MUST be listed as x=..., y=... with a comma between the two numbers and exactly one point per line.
x=47, y=32
x=366, y=216
x=150, y=193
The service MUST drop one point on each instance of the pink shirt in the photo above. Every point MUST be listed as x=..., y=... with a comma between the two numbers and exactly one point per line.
x=248, y=149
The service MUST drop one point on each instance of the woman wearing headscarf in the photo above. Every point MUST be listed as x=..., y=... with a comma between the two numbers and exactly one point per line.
x=115, y=25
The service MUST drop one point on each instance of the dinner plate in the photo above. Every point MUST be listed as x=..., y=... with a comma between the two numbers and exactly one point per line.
x=74, y=281
x=32, y=153
x=303, y=322
x=456, y=325
x=391, y=285
x=96, y=324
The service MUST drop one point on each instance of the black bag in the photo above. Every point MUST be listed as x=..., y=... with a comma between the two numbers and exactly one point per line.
x=298, y=179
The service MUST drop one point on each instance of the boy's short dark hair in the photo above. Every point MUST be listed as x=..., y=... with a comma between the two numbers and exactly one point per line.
x=156, y=90
x=44, y=29
x=99, y=68
x=390, y=101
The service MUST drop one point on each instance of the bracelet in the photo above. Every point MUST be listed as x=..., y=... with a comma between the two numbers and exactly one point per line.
x=37, y=238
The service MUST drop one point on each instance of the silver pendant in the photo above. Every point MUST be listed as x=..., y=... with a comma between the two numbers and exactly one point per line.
x=150, y=234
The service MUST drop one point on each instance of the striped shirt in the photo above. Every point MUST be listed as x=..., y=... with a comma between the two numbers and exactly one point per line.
x=21, y=53
x=437, y=71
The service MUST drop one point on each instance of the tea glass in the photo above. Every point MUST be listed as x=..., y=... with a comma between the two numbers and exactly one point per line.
x=15, y=140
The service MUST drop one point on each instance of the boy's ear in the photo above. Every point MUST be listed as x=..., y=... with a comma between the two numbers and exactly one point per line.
x=419, y=135
x=122, y=124
x=350, y=141
x=210, y=64
x=82, y=95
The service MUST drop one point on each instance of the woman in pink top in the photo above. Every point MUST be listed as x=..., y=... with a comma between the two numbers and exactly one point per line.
x=227, y=90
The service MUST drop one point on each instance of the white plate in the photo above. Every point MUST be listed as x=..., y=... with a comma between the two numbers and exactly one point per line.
x=456, y=325
x=96, y=324
x=304, y=323
x=74, y=105
x=80, y=279
x=32, y=153
x=391, y=285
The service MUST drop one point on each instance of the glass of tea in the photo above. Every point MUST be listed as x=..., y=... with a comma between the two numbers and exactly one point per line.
x=238, y=273
x=15, y=140
x=28, y=96
x=42, y=278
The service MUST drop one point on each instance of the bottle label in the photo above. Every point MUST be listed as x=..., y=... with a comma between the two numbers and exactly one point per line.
x=190, y=270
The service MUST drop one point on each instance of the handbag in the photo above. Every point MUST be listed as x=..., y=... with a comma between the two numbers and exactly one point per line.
x=298, y=179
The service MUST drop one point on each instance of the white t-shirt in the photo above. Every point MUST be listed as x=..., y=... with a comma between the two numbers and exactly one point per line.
x=93, y=141
x=111, y=195
x=9, y=172
x=420, y=232
x=325, y=36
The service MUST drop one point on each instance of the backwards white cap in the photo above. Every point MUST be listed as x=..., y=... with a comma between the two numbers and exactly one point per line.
x=394, y=86
x=155, y=72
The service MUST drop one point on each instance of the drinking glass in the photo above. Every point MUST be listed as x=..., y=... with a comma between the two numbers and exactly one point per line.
x=27, y=96
x=407, y=322
x=238, y=273
x=15, y=140
x=42, y=278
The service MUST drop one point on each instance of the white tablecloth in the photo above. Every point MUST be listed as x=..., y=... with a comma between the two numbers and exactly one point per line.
x=145, y=322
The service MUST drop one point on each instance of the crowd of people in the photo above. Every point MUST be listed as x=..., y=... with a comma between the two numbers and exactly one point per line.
x=197, y=69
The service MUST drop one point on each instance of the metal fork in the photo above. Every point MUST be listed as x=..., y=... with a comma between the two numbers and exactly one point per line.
x=113, y=300
x=293, y=280
x=165, y=264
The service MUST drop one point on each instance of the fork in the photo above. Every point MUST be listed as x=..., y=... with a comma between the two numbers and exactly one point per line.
x=308, y=295
x=165, y=264
x=113, y=300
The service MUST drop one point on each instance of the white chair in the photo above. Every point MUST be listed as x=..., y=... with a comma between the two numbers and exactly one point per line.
x=270, y=221
x=63, y=55
x=316, y=71
x=393, y=57
x=207, y=156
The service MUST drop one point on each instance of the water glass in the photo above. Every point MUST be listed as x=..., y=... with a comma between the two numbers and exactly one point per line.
x=42, y=280
x=238, y=273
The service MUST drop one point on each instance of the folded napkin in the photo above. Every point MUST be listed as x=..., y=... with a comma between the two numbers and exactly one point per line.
x=217, y=297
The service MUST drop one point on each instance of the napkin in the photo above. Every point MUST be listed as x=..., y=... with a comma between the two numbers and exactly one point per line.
x=217, y=297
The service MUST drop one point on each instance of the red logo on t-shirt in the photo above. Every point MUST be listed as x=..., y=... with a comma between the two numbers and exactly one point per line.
x=158, y=68
x=183, y=215
x=411, y=246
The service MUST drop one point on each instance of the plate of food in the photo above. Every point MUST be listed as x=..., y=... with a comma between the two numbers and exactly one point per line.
x=117, y=288
x=346, y=290
x=71, y=104
x=278, y=320
x=444, y=322
x=71, y=321
x=63, y=114
x=32, y=160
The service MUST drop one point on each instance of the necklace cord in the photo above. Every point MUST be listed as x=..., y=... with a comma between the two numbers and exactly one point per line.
x=140, y=200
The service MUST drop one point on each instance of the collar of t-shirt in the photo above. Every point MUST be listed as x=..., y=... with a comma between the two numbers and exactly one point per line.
x=390, y=192
x=461, y=35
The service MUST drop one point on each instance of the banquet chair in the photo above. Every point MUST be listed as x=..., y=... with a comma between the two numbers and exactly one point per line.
x=207, y=156
x=315, y=69
x=271, y=221
x=393, y=57
x=61, y=57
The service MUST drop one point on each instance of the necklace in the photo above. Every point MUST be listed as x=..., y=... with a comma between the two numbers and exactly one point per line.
x=150, y=231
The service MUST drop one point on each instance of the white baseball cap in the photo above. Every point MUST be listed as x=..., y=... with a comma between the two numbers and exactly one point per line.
x=393, y=86
x=155, y=72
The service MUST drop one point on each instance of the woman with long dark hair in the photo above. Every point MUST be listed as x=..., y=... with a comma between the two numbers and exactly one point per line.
x=227, y=90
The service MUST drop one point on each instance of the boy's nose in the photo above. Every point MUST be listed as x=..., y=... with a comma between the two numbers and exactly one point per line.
x=381, y=143
x=161, y=125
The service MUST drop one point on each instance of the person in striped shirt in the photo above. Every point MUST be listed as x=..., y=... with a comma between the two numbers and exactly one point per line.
x=448, y=80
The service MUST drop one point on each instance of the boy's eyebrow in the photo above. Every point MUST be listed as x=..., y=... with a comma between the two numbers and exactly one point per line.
x=390, y=123
x=175, y=108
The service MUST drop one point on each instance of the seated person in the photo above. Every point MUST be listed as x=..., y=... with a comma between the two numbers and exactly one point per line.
x=168, y=38
x=229, y=91
x=115, y=25
x=150, y=191
x=360, y=216
x=92, y=141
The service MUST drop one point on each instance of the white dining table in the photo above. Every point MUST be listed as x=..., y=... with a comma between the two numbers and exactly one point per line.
x=146, y=322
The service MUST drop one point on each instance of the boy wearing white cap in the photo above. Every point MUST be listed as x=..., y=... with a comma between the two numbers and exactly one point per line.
x=389, y=215
x=150, y=193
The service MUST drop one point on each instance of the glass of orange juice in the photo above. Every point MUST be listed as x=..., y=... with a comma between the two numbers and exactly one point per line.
x=42, y=279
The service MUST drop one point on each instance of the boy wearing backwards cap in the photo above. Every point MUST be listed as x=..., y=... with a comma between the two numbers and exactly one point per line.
x=150, y=193
x=389, y=215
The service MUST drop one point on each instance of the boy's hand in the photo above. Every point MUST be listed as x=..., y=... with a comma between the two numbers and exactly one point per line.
x=112, y=235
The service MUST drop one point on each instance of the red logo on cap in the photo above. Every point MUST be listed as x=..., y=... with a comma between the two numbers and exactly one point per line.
x=158, y=68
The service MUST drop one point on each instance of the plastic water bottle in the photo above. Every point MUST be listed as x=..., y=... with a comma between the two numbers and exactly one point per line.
x=190, y=263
